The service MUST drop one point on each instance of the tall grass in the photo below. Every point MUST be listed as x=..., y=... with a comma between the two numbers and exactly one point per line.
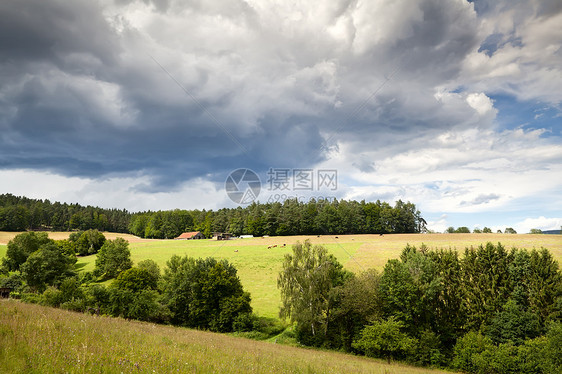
x=35, y=339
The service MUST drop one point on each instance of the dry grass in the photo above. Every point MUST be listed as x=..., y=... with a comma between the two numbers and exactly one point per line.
x=376, y=250
x=35, y=339
x=6, y=236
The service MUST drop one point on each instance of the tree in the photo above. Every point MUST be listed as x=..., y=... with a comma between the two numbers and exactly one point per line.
x=113, y=258
x=468, y=349
x=307, y=277
x=385, y=339
x=509, y=230
x=553, y=349
x=462, y=230
x=535, y=231
x=544, y=284
x=22, y=246
x=477, y=230
x=486, y=282
x=487, y=230
x=514, y=325
x=89, y=242
x=204, y=293
x=135, y=280
x=47, y=266
x=152, y=267
x=355, y=304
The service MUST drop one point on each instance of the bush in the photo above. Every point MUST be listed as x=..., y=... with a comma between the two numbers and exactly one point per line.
x=31, y=297
x=553, y=348
x=468, y=349
x=204, y=293
x=385, y=339
x=428, y=351
x=135, y=280
x=113, y=258
x=244, y=322
x=13, y=280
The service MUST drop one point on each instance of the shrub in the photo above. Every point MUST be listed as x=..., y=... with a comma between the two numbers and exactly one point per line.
x=385, y=339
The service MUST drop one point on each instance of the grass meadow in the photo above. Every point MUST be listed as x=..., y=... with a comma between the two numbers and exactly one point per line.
x=36, y=339
x=259, y=266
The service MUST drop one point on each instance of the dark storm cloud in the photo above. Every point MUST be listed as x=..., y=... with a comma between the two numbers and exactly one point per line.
x=80, y=94
x=37, y=30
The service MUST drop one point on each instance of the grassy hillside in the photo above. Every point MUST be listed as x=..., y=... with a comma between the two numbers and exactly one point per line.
x=37, y=339
x=259, y=266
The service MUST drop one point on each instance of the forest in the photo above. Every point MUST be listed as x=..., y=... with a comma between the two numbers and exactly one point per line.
x=276, y=219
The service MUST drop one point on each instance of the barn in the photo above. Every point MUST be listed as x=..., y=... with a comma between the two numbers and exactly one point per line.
x=190, y=235
x=222, y=236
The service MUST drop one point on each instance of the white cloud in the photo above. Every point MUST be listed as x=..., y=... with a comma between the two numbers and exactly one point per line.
x=115, y=192
x=466, y=171
x=541, y=223
x=480, y=102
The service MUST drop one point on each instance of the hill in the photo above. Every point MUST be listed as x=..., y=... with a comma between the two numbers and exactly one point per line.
x=258, y=266
x=46, y=340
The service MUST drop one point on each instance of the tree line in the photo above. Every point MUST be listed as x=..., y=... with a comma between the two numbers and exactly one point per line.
x=492, y=311
x=485, y=230
x=21, y=213
x=291, y=217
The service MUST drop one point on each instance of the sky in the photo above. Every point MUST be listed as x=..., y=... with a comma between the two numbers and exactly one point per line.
x=452, y=105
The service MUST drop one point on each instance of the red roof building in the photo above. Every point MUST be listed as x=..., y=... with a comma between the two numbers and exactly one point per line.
x=190, y=235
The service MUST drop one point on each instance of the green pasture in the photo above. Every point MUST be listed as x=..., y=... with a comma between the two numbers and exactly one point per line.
x=258, y=266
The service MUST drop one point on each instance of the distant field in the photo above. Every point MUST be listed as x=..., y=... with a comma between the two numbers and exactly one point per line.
x=6, y=236
x=35, y=339
x=258, y=266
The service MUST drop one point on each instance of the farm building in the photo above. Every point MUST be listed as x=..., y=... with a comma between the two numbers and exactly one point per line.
x=221, y=236
x=190, y=235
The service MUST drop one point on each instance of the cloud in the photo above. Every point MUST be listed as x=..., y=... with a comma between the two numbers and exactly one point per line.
x=167, y=97
x=541, y=223
x=481, y=199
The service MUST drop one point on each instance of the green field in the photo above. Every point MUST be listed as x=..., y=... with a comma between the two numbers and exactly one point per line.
x=35, y=339
x=259, y=266
x=38, y=339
